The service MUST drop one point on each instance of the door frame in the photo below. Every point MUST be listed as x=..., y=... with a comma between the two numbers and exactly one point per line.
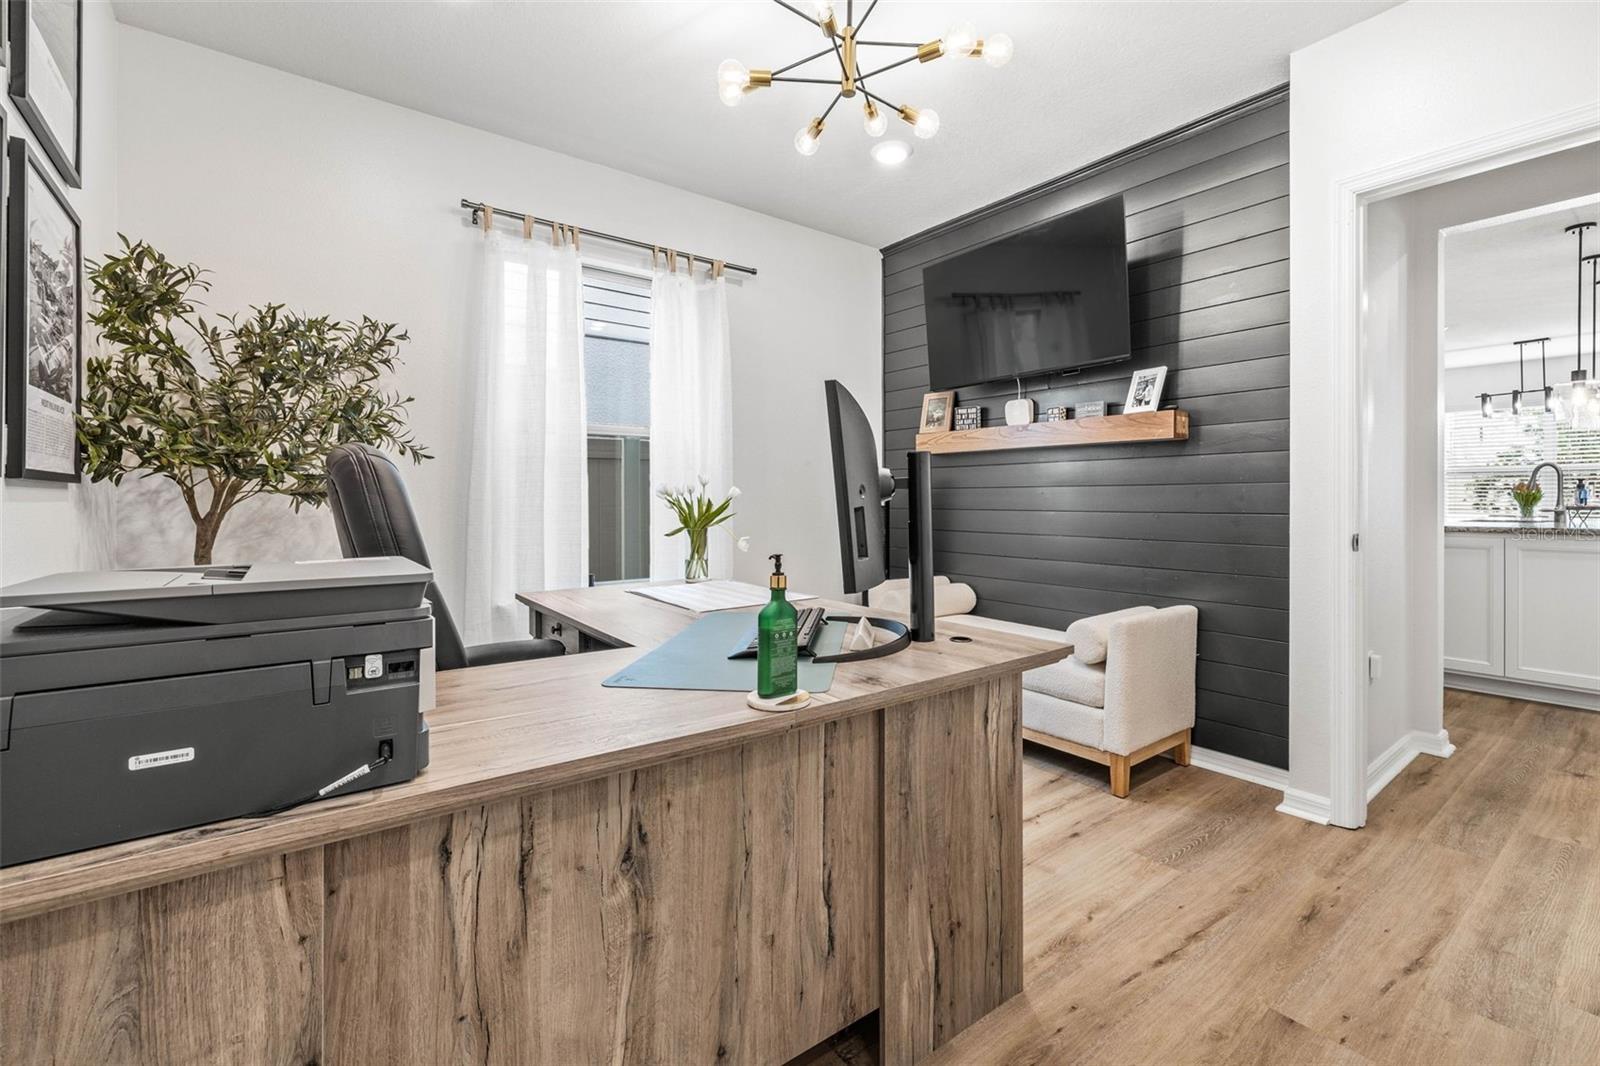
x=1347, y=729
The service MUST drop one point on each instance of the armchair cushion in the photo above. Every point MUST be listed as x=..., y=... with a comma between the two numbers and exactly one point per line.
x=1069, y=680
x=1063, y=718
x=949, y=598
x=1090, y=637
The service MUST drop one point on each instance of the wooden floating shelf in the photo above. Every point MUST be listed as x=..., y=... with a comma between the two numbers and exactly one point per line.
x=1107, y=429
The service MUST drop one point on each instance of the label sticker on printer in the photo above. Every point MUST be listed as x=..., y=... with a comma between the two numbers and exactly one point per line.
x=160, y=758
x=374, y=666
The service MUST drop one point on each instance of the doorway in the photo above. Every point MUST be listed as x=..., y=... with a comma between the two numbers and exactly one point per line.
x=1401, y=416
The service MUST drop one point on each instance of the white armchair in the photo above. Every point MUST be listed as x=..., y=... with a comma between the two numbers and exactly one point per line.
x=1126, y=694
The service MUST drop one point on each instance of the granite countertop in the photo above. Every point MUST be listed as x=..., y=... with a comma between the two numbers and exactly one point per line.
x=1512, y=527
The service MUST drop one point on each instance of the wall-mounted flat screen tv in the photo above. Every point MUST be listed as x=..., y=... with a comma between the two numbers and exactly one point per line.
x=1053, y=297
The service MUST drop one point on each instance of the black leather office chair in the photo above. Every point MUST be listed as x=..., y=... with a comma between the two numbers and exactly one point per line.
x=373, y=515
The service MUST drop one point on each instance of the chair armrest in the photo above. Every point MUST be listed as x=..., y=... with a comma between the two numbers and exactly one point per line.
x=1150, y=677
x=513, y=651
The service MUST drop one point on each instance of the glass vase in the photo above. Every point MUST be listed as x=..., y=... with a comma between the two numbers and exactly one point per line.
x=697, y=565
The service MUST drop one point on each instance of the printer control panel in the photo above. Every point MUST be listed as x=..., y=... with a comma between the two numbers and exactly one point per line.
x=379, y=668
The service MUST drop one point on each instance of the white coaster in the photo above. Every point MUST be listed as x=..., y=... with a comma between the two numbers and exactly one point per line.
x=793, y=702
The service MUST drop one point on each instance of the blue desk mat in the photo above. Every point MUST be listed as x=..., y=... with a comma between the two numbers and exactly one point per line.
x=697, y=658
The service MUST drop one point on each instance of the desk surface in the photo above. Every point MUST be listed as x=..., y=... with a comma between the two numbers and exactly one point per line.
x=520, y=727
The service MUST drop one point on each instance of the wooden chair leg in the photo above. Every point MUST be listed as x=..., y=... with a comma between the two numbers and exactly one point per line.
x=1180, y=754
x=1121, y=776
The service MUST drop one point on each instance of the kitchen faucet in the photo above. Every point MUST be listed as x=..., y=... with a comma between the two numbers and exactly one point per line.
x=1561, y=491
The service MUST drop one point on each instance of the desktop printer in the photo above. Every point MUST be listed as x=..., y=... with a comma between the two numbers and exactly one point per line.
x=135, y=702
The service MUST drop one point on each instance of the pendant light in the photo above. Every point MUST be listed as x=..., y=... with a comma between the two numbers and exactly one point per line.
x=1583, y=404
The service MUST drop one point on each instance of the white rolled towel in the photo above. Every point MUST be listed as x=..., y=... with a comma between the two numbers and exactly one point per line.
x=949, y=597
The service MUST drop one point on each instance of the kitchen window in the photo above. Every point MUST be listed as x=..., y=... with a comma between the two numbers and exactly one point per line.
x=1484, y=457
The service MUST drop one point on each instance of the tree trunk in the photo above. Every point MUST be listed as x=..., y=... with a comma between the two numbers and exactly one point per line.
x=205, y=536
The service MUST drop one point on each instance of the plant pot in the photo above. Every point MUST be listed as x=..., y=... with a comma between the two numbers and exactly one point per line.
x=697, y=565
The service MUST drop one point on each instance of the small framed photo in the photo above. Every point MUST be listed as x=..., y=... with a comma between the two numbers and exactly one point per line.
x=45, y=77
x=44, y=326
x=1144, y=391
x=938, y=410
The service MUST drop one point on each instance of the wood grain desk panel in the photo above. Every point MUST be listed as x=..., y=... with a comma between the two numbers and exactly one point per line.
x=582, y=873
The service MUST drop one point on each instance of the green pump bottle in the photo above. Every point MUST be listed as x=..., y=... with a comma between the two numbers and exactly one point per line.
x=777, y=665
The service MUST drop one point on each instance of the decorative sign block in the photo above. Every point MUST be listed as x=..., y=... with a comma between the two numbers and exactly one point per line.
x=1054, y=414
x=1090, y=409
x=969, y=418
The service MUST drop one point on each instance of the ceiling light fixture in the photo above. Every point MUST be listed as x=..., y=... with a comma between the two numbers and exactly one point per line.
x=735, y=81
x=891, y=153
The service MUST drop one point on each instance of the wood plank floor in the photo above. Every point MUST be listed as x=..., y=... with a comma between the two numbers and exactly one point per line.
x=1191, y=923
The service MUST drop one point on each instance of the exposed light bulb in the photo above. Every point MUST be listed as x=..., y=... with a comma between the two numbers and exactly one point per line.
x=961, y=39
x=1486, y=405
x=998, y=50
x=731, y=94
x=824, y=9
x=1581, y=397
x=926, y=124
x=874, y=121
x=805, y=142
x=891, y=153
x=732, y=72
x=1516, y=401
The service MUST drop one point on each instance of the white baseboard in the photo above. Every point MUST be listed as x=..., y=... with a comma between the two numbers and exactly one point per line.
x=1387, y=767
x=1244, y=769
x=1307, y=805
x=1513, y=689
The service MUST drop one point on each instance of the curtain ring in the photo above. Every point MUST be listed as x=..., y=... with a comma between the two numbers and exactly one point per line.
x=487, y=214
x=655, y=254
x=527, y=227
x=716, y=268
x=577, y=239
x=555, y=235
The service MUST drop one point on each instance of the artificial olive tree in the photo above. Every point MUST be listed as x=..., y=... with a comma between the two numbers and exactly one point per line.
x=233, y=407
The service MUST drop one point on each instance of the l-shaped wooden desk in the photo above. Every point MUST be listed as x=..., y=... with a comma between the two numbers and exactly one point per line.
x=582, y=874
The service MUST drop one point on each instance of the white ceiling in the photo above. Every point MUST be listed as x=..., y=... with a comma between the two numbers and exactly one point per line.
x=1513, y=279
x=633, y=85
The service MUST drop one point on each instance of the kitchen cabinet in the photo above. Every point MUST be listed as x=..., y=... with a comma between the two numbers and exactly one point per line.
x=1523, y=605
x=1474, y=599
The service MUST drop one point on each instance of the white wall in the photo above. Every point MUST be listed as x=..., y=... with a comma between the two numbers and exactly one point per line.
x=1414, y=80
x=294, y=191
x=1403, y=534
x=48, y=526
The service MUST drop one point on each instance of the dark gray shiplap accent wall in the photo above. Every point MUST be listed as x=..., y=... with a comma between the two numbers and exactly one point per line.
x=1050, y=535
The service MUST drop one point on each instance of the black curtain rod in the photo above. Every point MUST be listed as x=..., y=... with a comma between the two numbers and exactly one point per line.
x=477, y=207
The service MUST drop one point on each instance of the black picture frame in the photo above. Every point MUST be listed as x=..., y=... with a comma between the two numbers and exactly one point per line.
x=22, y=209
x=66, y=158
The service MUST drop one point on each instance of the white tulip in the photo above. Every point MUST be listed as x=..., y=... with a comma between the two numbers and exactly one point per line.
x=733, y=492
x=704, y=481
x=743, y=544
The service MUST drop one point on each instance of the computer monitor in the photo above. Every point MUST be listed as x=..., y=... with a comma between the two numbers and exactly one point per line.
x=862, y=490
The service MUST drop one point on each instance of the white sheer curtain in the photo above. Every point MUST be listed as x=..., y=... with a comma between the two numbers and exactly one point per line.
x=527, y=515
x=691, y=408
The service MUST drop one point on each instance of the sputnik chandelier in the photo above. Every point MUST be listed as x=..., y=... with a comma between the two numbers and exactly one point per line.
x=735, y=81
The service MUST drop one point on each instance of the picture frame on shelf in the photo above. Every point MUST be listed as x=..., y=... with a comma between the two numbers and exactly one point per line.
x=44, y=323
x=938, y=412
x=44, y=61
x=1144, y=391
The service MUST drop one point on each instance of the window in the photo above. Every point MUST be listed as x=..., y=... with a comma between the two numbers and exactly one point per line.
x=616, y=354
x=1484, y=457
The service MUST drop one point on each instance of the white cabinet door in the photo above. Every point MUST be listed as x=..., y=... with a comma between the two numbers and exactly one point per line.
x=1553, y=611
x=1474, y=603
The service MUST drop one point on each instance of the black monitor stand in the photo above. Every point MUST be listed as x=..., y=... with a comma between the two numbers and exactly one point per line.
x=919, y=527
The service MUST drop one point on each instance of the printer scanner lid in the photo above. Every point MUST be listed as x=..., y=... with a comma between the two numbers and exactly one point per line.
x=240, y=593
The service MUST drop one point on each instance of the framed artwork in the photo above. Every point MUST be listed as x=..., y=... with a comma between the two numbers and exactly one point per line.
x=44, y=324
x=45, y=75
x=938, y=410
x=1144, y=391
